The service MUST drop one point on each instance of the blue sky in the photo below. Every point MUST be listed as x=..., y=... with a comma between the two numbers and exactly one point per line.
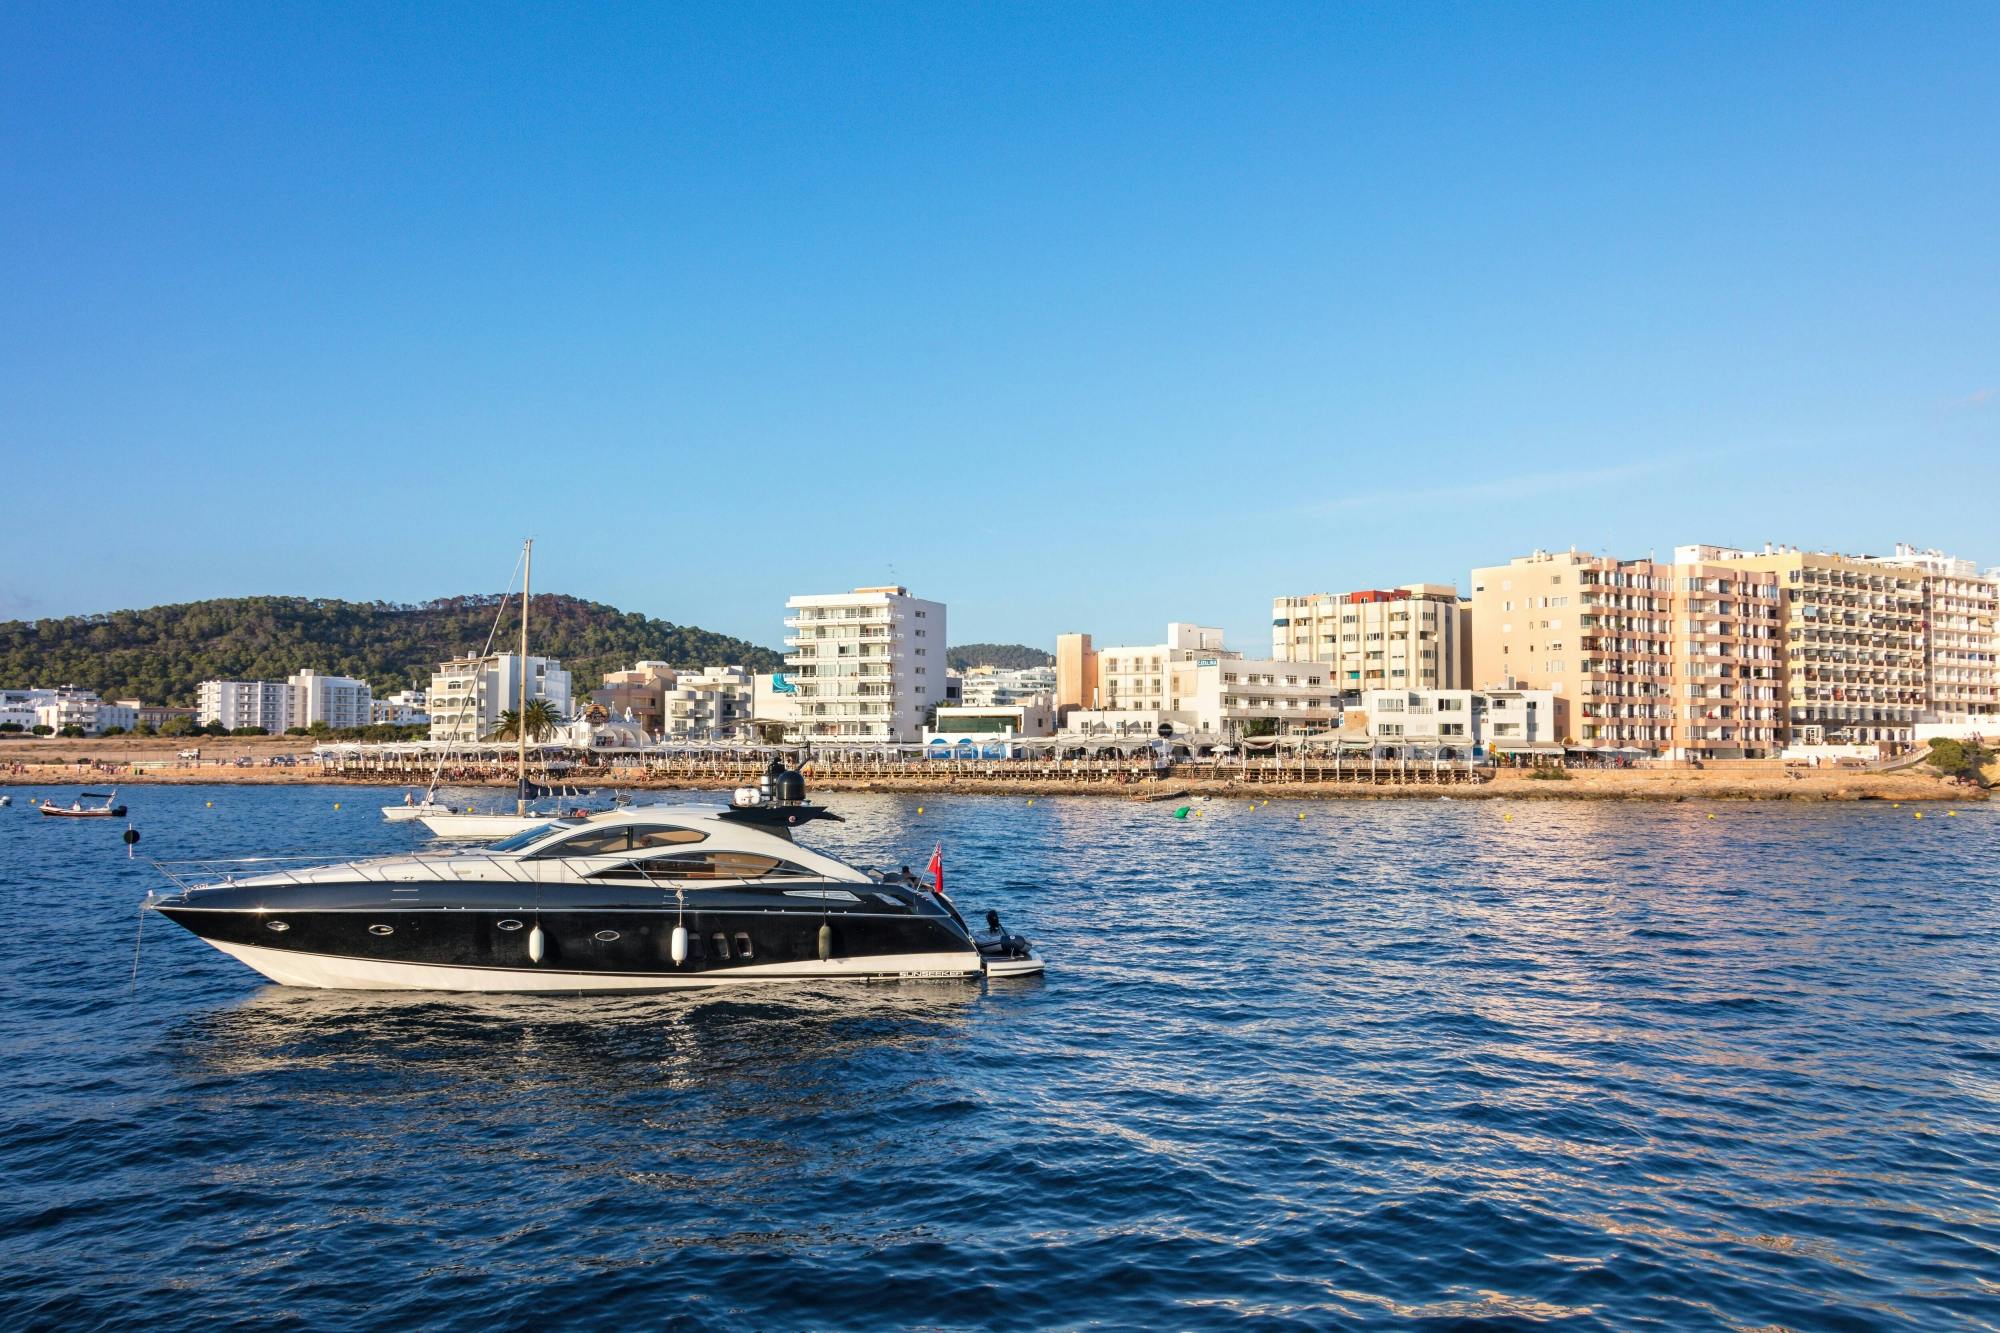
x=1076, y=317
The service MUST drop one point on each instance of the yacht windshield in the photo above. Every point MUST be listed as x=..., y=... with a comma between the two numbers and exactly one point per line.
x=526, y=837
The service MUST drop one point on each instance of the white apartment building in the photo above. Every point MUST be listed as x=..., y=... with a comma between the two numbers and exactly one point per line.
x=63, y=707
x=1195, y=684
x=338, y=701
x=1961, y=630
x=468, y=694
x=18, y=709
x=103, y=716
x=270, y=704
x=867, y=664
x=714, y=704
x=1417, y=636
x=301, y=700
x=1464, y=720
x=405, y=708
x=1136, y=677
x=989, y=687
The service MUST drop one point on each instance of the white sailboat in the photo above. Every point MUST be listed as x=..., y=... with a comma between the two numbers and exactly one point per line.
x=410, y=809
x=442, y=822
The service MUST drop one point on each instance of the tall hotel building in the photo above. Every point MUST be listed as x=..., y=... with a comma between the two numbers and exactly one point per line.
x=867, y=664
x=1677, y=659
x=1961, y=638
x=1854, y=643
x=1416, y=637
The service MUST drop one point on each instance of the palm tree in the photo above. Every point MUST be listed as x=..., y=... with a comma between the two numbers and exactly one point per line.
x=543, y=719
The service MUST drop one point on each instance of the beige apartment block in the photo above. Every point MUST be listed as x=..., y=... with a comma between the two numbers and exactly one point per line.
x=1853, y=643
x=1665, y=659
x=638, y=693
x=1076, y=673
x=1417, y=636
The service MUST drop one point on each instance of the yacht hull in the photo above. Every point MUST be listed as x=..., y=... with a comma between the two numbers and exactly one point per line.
x=393, y=947
x=480, y=828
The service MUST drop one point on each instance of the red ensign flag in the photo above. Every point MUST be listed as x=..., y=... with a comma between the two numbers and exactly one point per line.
x=936, y=870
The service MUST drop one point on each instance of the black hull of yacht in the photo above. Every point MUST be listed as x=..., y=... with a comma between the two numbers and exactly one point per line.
x=595, y=949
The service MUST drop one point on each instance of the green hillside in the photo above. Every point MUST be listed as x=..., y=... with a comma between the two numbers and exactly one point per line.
x=1006, y=656
x=160, y=654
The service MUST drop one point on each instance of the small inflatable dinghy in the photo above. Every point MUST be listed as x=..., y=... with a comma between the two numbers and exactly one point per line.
x=1004, y=954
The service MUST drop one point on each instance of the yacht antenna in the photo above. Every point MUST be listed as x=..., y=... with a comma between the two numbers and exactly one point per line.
x=521, y=714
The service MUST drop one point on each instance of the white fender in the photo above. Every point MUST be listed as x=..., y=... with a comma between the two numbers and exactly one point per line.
x=679, y=948
x=535, y=945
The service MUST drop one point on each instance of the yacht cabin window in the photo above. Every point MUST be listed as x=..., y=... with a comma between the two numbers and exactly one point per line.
x=524, y=839
x=708, y=865
x=623, y=838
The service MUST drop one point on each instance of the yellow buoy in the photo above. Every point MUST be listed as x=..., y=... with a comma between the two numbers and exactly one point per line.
x=211, y=805
x=1711, y=816
x=1952, y=813
x=1918, y=813
x=1506, y=816
x=920, y=809
x=336, y=805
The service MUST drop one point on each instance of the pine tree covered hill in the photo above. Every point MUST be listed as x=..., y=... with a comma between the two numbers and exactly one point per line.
x=1006, y=656
x=161, y=654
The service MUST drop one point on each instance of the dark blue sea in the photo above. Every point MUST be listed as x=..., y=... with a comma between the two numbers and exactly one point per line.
x=1410, y=1064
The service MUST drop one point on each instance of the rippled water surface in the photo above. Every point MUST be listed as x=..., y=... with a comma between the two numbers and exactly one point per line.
x=1391, y=1063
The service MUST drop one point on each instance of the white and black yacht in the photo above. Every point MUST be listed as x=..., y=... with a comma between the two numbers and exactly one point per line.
x=647, y=898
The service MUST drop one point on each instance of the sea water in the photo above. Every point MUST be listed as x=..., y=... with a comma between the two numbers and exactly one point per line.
x=1345, y=1064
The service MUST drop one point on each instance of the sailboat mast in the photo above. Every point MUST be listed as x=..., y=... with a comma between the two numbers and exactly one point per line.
x=521, y=708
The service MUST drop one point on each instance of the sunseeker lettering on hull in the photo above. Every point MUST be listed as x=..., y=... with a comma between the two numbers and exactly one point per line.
x=638, y=899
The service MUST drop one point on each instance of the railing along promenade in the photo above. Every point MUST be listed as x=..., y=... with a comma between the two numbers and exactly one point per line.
x=725, y=768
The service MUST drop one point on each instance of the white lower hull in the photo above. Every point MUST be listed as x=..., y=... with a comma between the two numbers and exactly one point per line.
x=481, y=828
x=330, y=972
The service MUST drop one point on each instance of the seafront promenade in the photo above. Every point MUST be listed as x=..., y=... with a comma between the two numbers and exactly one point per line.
x=250, y=761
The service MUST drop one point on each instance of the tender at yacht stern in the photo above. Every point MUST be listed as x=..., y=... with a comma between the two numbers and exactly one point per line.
x=1004, y=954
